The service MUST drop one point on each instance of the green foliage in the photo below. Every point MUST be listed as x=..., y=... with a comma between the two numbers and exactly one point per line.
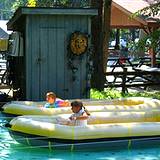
x=18, y=3
x=113, y=93
x=44, y=3
x=31, y=3
x=109, y=93
x=64, y=2
x=8, y=7
x=151, y=10
x=151, y=40
x=5, y=8
x=155, y=94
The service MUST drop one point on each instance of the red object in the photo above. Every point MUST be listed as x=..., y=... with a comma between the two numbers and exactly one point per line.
x=122, y=60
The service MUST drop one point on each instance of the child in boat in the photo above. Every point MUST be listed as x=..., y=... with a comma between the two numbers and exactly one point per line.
x=53, y=102
x=80, y=114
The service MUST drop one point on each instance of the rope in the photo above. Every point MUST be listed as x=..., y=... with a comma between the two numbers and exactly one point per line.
x=73, y=136
x=129, y=141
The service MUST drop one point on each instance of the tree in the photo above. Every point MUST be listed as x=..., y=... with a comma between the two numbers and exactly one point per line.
x=100, y=38
x=5, y=9
x=151, y=10
x=18, y=3
x=151, y=41
x=8, y=7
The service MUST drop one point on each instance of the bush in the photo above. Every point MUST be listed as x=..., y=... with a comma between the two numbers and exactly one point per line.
x=111, y=93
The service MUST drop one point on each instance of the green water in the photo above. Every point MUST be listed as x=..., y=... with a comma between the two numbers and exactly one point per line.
x=11, y=150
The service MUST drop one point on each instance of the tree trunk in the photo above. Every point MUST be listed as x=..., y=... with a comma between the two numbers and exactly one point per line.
x=100, y=39
x=106, y=31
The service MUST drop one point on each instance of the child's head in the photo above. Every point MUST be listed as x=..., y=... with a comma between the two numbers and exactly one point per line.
x=76, y=106
x=50, y=97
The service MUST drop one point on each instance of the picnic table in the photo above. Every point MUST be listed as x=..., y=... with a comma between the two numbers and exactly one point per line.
x=114, y=62
x=148, y=73
x=147, y=61
x=121, y=72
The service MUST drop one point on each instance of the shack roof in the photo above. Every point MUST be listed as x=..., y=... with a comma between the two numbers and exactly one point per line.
x=22, y=12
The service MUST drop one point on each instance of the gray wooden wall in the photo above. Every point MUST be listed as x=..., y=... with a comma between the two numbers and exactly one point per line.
x=47, y=38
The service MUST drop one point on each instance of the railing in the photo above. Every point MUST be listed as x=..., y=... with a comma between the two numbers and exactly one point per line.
x=133, y=79
x=126, y=75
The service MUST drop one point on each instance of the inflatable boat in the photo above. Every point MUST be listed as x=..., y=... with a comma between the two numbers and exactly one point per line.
x=122, y=104
x=44, y=131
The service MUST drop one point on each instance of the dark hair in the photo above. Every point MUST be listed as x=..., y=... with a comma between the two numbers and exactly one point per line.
x=79, y=104
x=51, y=94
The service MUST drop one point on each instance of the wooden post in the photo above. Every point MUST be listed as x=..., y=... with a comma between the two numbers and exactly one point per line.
x=124, y=80
x=153, y=53
x=153, y=57
x=151, y=49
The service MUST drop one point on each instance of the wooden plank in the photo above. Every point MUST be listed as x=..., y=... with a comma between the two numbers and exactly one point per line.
x=59, y=11
x=76, y=62
x=44, y=64
x=34, y=54
x=68, y=72
x=28, y=59
x=23, y=11
x=132, y=85
x=60, y=65
x=119, y=73
x=5, y=87
x=83, y=61
x=51, y=53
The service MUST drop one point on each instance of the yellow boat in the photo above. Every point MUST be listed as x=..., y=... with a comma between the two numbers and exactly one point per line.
x=102, y=129
x=17, y=108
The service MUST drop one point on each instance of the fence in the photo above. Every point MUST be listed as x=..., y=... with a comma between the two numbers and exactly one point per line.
x=129, y=75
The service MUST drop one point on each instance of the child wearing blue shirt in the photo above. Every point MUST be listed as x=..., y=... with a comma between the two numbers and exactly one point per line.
x=53, y=102
x=50, y=98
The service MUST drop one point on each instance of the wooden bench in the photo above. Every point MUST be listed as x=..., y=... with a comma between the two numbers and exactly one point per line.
x=140, y=76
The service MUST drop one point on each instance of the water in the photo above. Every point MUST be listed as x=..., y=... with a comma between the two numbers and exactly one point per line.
x=11, y=150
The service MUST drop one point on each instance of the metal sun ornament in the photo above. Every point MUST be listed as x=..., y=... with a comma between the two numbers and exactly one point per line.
x=78, y=43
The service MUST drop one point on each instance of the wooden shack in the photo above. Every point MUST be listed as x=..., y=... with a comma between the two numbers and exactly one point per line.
x=49, y=61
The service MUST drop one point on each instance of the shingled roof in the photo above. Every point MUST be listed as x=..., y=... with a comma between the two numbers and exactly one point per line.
x=122, y=11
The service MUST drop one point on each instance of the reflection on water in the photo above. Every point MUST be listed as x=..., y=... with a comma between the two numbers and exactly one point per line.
x=11, y=150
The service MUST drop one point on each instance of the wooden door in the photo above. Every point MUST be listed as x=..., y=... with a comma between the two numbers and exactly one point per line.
x=52, y=57
x=54, y=72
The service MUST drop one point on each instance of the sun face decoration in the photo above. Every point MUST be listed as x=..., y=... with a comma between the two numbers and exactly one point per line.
x=79, y=43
